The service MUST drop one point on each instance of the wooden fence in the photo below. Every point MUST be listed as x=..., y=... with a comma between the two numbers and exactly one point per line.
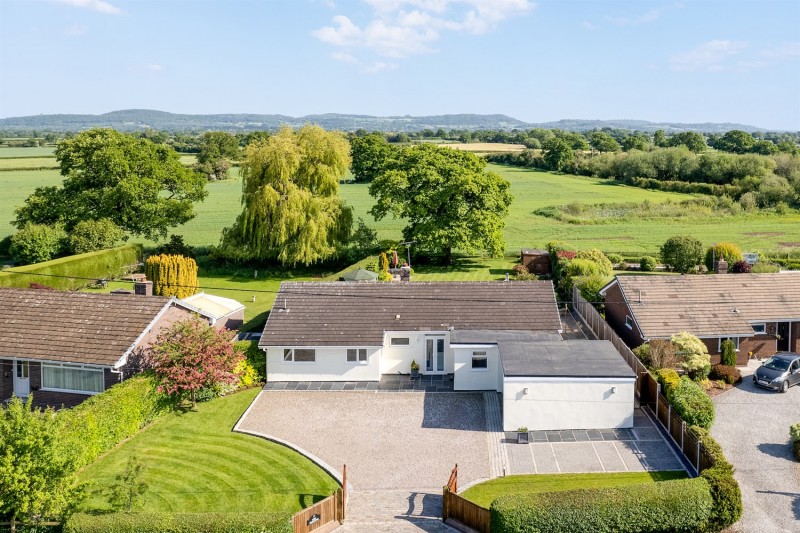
x=456, y=508
x=648, y=390
x=324, y=512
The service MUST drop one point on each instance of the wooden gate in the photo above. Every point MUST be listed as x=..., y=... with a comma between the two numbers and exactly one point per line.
x=319, y=515
x=454, y=507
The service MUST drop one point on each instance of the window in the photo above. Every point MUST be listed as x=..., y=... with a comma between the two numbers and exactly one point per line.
x=760, y=328
x=480, y=361
x=735, y=343
x=22, y=369
x=299, y=355
x=628, y=322
x=77, y=378
x=356, y=355
x=400, y=341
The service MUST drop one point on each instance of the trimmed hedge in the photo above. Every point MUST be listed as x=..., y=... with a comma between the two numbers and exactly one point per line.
x=678, y=505
x=104, y=264
x=104, y=420
x=723, y=486
x=692, y=403
x=669, y=380
x=179, y=523
x=794, y=431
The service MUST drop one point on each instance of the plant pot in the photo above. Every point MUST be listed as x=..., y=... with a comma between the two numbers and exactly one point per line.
x=414, y=373
x=522, y=437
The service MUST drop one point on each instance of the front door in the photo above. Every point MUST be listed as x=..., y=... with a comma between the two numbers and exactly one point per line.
x=434, y=355
x=783, y=336
x=22, y=382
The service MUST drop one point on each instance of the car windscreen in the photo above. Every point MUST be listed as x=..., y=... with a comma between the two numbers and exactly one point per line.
x=777, y=364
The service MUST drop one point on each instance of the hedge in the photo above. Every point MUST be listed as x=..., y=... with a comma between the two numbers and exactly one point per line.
x=179, y=523
x=794, y=431
x=692, y=403
x=678, y=505
x=103, y=264
x=669, y=380
x=104, y=420
x=724, y=488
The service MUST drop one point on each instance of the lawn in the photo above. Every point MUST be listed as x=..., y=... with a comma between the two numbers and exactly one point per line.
x=485, y=493
x=194, y=463
x=28, y=163
x=38, y=151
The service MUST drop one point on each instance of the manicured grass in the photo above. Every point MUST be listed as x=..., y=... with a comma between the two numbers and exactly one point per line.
x=485, y=493
x=194, y=463
x=467, y=269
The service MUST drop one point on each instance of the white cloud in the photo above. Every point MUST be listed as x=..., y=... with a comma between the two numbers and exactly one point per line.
x=379, y=66
x=343, y=57
x=155, y=67
x=645, y=18
x=402, y=28
x=76, y=30
x=712, y=56
x=94, y=5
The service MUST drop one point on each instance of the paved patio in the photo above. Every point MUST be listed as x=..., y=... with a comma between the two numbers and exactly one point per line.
x=639, y=449
x=388, y=383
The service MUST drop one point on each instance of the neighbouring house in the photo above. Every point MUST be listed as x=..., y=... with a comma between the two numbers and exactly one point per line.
x=220, y=312
x=760, y=313
x=64, y=347
x=491, y=336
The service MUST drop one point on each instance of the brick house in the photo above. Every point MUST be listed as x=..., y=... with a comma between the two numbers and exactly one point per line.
x=760, y=313
x=64, y=347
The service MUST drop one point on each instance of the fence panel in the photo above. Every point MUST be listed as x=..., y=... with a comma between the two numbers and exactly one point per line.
x=468, y=513
x=317, y=515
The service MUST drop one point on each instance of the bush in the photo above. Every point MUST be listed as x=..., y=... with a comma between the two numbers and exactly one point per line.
x=713, y=448
x=749, y=201
x=93, y=235
x=727, y=498
x=172, y=275
x=105, y=420
x=590, y=287
x=179, y=523
x=605, y=268
x=254, y=356
x=727, y=373
x=36, y=243
x=668, y=379
x=384, y=276
x=521, y=270
x=723, y=250
x=692, y=403
x=176, y=246
x=696, y=361
x=763, y=267
x=794, y=431
x=647, y=264
x=682, y=253
x=741, y=267
x=615, y=259
x=728, y=356
x=75, y=271
x=678, y=505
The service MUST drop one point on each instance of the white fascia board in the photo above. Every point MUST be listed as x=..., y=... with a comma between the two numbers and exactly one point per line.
x=487, y=345
x=608, y=285
x=546, y=379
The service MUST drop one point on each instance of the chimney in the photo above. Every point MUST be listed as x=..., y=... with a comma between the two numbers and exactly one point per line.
x=721, y=266
x=143, y=288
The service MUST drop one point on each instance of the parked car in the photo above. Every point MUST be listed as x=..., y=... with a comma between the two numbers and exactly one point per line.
x=779, y=372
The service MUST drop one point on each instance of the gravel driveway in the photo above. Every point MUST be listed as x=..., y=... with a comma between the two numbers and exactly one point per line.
x=388, y=440
x=752, y=425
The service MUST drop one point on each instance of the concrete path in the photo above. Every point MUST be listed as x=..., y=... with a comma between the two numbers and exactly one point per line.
x=752, y=425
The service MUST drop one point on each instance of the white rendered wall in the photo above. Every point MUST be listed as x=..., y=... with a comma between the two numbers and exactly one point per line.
x=567, y=403
x=397, y=359
x=467, y=378
x=331, y=365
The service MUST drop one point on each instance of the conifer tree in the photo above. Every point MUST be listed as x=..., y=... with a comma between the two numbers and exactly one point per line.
x=172, y=275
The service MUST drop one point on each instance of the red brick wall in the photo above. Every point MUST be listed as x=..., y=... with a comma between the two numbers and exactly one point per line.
x=6, y=383
x=795, y=341
x=616, y=311
x=42, y=398
x=761, y=345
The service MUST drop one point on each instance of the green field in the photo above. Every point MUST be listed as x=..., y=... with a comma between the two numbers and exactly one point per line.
x=28, y=163
x=485, y=493
x=40, y=151
x=194, y=463
x=766, y=232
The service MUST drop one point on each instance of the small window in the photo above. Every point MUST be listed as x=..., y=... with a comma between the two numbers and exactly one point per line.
x=299, y=355
x=760, y=328
x=400, y=341
x=356, y=355
x=735, y=343
x=480, y=361
x=628, y=322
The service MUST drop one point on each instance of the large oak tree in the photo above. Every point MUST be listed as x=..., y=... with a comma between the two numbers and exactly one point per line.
x=448, y=198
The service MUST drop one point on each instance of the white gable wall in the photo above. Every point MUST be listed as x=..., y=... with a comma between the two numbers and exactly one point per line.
x=467, y=378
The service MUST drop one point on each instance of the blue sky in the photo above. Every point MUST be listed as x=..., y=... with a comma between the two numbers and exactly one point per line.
x=690, y=61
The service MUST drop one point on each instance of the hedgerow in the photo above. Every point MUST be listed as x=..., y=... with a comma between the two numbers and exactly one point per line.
x=692, y=403
x=723, y=486
x=179, y=523
x=678, y=505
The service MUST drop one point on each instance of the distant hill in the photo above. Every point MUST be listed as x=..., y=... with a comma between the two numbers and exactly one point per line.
x=140, y=119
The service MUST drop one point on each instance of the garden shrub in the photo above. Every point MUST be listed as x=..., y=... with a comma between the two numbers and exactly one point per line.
x=643, y=353
x=677, y=505
x=384, y=276
x=727, y=373
x=615, y=259
x=172, y=275
x=176, y=246
x=692, y=403
x=590, y=286
x=179, y=523
x=668, y=379
x=694, y=354
x=647, y=264
x=712, y=447
x=726, y=495
x=723, y=250
x=75, y=271
x=740, y=267
x=521, y=269
x=682, y=253
x=255, y=357
x=764, y=268
x=106, y=419
x=605, y=268
x=794, y=431
x=36, y=243
x=93, y=235
x=728, y=356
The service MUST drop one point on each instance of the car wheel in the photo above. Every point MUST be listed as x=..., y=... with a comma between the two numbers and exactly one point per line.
x=785, y=386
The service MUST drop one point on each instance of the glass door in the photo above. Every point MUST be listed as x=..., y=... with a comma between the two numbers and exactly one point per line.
x=434, y=355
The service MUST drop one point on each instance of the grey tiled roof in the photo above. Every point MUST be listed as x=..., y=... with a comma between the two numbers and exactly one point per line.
x=73, y=327
x=342, y=313
x=710, y=305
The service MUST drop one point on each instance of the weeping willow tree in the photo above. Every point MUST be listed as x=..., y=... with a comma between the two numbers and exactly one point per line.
x=290, y=197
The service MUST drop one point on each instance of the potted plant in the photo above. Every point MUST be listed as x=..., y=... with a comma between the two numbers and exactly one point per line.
x=414, y=369
x=522, y=435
